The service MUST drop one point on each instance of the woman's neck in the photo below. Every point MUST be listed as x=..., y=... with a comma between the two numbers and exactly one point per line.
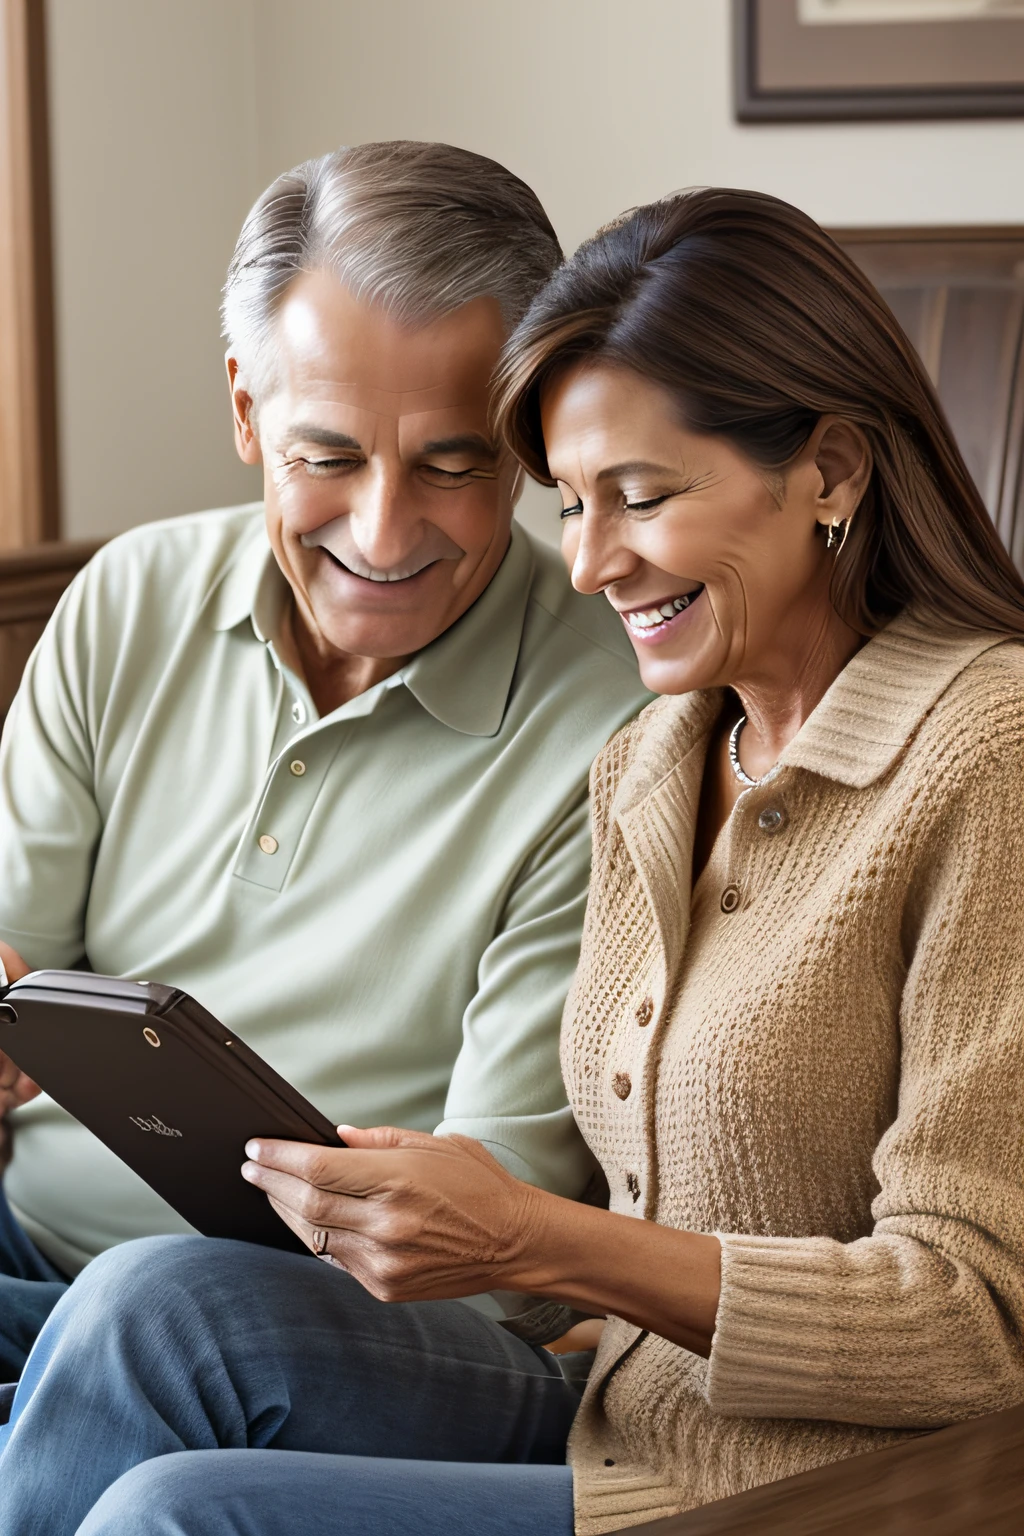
x=789, y=682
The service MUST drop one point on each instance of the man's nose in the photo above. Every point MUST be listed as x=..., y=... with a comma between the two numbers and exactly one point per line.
x=381, y=523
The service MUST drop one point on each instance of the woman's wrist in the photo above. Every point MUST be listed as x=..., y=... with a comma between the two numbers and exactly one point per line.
x=603, y=1263
x=550, y=1254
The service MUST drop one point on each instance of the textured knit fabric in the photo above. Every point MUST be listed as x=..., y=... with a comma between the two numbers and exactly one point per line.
x=817, y=1053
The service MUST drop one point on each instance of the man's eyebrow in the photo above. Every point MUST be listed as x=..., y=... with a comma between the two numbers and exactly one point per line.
x=304, y=433
x=465, y=442
x=635, y=467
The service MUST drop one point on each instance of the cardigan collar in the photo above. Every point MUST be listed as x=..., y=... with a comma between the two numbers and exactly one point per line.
x=855, y=733
x=854, y=736
x=877, y=703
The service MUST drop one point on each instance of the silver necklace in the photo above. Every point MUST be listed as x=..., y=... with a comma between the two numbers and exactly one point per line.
x=734, y=755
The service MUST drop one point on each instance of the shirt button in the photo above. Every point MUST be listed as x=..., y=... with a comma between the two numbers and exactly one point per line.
x=772, y=819
x=730, y=898
x=622, y=1084
x=298, y=768
x=298, y=712
x=268, y=844
x=644, y=1012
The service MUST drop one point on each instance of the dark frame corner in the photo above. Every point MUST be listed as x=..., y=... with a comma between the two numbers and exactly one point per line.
x=752, y=105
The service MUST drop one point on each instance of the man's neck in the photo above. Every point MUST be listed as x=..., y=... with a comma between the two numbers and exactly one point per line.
x=335, y=679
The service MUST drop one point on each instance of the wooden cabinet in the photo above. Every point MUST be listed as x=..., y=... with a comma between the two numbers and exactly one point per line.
x=959, y=295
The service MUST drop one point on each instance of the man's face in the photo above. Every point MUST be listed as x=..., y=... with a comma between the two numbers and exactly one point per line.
x=388, y=506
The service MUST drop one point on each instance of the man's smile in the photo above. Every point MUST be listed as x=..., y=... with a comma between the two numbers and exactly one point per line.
x=389, y=578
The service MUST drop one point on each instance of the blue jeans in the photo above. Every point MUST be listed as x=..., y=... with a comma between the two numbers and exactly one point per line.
x=185, y=1345
x=277, y=1493
x=30, y=1288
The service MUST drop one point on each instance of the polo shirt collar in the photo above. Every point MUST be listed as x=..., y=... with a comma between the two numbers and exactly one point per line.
x=462, y=678
x=253, y=573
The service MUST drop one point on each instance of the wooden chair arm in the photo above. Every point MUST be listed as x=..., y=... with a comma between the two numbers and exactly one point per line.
x=31, y=582
x=969, y=1478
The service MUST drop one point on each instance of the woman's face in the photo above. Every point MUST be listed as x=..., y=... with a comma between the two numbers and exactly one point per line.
x=716, y=571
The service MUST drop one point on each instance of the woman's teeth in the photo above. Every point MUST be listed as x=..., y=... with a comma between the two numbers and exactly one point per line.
x=651, y=618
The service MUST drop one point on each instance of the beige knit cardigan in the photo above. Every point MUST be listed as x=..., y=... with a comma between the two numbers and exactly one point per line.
x=817, y=1053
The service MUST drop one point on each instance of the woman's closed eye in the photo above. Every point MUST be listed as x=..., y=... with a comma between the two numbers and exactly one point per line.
x=649, y=502
x=641, y=503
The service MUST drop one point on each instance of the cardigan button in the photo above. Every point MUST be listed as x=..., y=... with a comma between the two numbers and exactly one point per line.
x=644, y=1012
x=622, y=1084
x=772, y=819
x=633, y=1186
x=730, y=898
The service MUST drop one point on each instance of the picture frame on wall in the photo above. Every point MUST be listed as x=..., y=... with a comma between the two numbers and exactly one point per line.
x=821, y=60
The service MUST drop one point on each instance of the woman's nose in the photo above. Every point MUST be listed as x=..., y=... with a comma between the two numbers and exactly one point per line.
x=594, y=557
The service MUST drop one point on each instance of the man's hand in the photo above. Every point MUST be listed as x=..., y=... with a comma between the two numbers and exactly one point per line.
x=15, y=1087
x=413, y=1217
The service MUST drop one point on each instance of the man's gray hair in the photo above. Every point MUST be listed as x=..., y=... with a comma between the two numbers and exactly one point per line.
x=420, y=229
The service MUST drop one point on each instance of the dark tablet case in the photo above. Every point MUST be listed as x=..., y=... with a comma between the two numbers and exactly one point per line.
x=165, y=1086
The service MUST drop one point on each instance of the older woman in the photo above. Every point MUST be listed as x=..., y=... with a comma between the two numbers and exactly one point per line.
x=795, y=1040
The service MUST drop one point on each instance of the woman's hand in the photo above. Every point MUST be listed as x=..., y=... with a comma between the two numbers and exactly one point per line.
x=411, y=1216
x=418, y=1218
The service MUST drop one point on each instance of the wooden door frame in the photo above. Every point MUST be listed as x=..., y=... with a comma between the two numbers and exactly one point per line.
x=29, y=483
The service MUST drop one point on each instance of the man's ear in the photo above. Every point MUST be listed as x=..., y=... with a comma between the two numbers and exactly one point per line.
x=247, y=443
x=843, y=458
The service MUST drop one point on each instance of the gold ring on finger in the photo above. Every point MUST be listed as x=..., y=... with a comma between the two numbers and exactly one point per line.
x=321, y=1237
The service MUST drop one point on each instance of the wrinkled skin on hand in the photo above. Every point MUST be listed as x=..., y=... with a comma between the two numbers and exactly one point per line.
x=412, y=1217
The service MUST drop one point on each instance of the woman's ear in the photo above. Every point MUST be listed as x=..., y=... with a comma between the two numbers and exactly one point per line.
x=843, y=456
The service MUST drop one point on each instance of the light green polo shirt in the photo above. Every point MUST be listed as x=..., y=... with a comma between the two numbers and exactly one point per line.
x=386, y=903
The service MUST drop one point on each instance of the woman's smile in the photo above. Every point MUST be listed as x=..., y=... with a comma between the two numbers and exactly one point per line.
x=654, y=623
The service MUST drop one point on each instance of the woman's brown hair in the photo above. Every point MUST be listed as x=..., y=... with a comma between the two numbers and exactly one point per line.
x=756, y=322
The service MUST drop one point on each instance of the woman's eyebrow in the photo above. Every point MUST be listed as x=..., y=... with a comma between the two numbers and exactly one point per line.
x=636, y=467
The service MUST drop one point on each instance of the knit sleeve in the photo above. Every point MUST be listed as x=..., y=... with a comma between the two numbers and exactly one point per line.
x=920, y=1323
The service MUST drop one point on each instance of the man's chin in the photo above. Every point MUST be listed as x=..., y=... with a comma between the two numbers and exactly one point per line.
x=378, y=638
x=383, y=619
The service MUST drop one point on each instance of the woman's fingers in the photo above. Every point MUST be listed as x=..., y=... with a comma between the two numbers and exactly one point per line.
x=309, y=1202
x=346, y=1170
x=381, y=1137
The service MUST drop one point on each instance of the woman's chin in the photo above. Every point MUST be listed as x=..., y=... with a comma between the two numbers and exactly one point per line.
x=664, y=672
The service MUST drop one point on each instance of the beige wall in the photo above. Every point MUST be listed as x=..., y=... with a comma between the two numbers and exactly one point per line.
x=154, y=166
x=169, y=118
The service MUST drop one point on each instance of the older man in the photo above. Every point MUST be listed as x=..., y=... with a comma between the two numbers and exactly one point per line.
x=323, y=763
